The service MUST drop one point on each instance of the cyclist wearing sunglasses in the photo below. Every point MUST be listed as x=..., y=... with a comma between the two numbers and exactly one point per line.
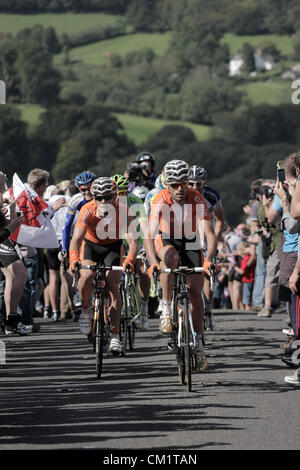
x=83, y=183
x=98, y=237
x=178, y=221
x=139, y=214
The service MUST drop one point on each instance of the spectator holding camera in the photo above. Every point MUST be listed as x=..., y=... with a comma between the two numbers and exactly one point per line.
x=146, y=161
x=271, y=236
x=283, y=190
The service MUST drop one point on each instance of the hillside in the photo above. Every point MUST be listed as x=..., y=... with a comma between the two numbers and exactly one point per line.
x=162, y=74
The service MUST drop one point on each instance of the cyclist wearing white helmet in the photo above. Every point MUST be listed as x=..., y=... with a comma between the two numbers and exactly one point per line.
x=197, y=180
x=99, y=227
x=178, y=217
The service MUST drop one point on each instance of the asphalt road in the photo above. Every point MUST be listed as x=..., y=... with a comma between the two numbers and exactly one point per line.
x=50, y=397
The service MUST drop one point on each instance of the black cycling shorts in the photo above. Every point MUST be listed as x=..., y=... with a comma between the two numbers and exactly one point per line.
x=106, y=254
x=8, y=253
x=188, y=257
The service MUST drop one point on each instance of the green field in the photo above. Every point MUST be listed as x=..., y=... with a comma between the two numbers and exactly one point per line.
x=139, y=129
x=94, y=54
x=272, y=92
x=283, y=42
x=30, y=113
x=63, y=22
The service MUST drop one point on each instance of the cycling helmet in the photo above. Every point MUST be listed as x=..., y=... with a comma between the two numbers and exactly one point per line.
x=159, y=183
x=141, y=192
x=103, y=186
x=145, y=156
x=86, y=177
x=176, y=170
x=197, y=173
x=121, y=182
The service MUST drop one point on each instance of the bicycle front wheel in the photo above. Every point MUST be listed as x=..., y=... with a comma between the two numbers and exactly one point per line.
x=99, y=337
x=187, y=337
x=179, y=349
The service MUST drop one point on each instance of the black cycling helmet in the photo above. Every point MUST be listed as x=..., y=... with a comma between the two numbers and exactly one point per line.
x=197, y=173
x=145, y=157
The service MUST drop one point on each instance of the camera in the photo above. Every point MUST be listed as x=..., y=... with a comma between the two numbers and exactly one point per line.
x=253, y=195
x=267, y=191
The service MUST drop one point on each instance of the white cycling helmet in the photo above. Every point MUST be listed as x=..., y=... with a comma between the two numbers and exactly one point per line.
x=140, y=191
x=176, y=170
x=103, y=187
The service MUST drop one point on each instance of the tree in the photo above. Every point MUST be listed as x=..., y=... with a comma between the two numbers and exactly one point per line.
x=8, y=70
x=74, y=136
x=39, y=81
x=14, y=155
x=248, y=57
x=69, y=160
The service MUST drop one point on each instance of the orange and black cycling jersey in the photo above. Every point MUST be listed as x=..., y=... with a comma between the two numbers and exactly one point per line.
x=103, y=230
x=173, y=218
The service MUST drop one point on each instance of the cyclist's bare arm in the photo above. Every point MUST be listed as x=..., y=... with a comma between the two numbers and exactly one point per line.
x=132, y=244
x=78, y=236
x=211, y=240
x=220, y=220
x=149, y=240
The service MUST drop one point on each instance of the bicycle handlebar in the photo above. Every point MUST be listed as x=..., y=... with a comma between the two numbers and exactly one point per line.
x=94, y=267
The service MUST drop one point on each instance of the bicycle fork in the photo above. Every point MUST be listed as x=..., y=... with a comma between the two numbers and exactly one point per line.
x=180, y=341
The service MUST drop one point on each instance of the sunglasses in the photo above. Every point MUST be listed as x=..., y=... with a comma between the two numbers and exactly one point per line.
x=178, y=185
x=85, y=190
x=103, y=198
x=196, y=183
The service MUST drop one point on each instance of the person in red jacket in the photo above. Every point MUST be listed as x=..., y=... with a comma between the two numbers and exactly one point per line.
x=247, y=271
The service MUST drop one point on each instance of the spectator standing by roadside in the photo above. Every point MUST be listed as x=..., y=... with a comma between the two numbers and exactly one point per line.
x=12, y=266
x=294, y=281
x=37, y=179
x=271, y=239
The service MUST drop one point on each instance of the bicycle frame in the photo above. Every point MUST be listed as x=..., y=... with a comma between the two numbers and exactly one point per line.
x=101, y=325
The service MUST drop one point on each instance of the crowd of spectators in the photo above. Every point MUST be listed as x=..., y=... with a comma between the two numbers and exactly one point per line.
x=258, y=261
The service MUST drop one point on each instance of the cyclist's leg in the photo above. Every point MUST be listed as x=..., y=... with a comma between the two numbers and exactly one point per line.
x=85, y=287
x=144, y=284
x=112, y=258
x=194, y=258
x=169, y=257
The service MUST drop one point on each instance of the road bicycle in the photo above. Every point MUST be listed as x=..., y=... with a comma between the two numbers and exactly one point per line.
x=101, y=324
x=130, y=310
x=183, y=336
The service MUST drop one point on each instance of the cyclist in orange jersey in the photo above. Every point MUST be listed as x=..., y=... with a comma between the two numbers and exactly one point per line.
x=178, y=224
x=100, y=227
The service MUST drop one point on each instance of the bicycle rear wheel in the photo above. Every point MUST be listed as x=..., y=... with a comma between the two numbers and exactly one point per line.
x=124, y=322
x=187, y=337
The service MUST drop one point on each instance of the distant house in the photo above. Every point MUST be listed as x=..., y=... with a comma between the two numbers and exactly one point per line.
x=236, y=64
x=262, y=63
